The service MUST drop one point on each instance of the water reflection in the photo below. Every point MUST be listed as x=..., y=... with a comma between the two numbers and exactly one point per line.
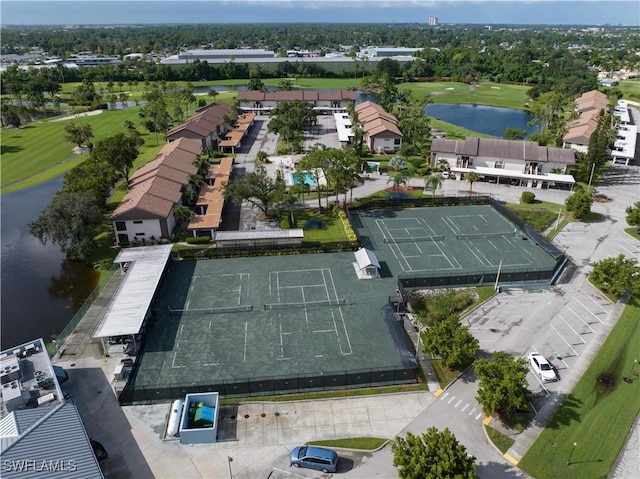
x=40, y=290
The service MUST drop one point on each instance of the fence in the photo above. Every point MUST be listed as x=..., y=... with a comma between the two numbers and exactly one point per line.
x=238, y=250
x=73, y=322
x=266, y=386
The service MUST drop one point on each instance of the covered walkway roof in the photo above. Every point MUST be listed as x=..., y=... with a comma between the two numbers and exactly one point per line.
x=128, y=309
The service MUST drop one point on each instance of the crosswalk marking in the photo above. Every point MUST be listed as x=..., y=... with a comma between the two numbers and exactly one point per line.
x=479, y=416
x=457, y=404
x=452, y=398
x=465, y=407
x=472, y=411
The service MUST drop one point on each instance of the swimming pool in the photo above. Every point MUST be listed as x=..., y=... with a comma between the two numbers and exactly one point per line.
x=308, y=178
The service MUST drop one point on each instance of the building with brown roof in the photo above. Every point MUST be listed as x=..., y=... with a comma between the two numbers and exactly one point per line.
x=579, y=131
x=382, y=134
x=211, y=200
x=155, y=191
x=323, y=101
x=514, y=162
x=207, y=126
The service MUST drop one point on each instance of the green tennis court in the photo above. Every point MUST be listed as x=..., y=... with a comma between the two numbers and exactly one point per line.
x=456, y=239
x=228, y=320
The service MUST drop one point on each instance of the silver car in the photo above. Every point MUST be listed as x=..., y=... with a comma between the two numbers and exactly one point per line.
x=313, y=457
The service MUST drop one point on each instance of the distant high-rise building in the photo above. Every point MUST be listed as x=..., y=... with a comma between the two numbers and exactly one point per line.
x=433, y=21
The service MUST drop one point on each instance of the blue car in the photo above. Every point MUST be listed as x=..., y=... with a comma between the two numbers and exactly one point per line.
x=312, y=457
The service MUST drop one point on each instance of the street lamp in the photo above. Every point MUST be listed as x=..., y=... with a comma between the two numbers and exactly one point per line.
x=571, y=455
x=629, y=379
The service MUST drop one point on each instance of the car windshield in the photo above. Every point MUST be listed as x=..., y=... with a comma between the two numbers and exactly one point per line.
x=303, y=452
x=545, y=367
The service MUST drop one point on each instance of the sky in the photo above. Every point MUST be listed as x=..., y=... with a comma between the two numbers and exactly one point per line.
x=119, y=12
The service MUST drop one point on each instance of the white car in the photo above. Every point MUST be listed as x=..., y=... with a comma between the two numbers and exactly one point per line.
x=445, y=175
x=543, y=368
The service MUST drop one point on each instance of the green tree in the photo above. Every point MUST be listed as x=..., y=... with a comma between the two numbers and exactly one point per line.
x=514, y=134
x=433, y=455
x=617, y=275
x=183, y=214
x=291, y=117
x=633, y=215
x=93, y=177
x=502, y=383
x=471, y=177
x=579, y=203
x=434, y=182
x=256, y=84
x=256, y=187
x=120, y=151
x=450, y=340
x=399, y=178
x=78, y=134
x=69, y=221
x=285, y=85
x=316, y=161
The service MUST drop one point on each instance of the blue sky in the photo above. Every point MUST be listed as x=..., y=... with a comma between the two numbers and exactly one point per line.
x=556, y=12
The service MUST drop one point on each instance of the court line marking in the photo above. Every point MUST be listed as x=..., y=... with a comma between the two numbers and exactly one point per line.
x=246, y=327
x=333, y=317
x=344, y=324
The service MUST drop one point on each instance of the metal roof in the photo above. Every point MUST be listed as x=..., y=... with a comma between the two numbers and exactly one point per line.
x=258, y=234
x=366, y=258
x=56, y=446
x=128, y=309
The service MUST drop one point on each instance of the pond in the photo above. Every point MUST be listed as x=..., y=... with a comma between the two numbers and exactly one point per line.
x=489, y=120
x=41, y=290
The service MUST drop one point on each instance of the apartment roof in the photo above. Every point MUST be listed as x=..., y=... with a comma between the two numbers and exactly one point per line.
x=290, y=95
x=580, y=134
x=205, y=122
x=212, y=197
x=150, y=199
x=507, y=149
x=376, y=121
x=56, y=438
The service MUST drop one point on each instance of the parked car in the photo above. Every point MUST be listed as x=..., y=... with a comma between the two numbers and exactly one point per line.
x=313, y=457
x=445, y=175
x=543, y=368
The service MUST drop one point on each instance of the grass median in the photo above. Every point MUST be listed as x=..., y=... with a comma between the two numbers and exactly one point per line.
x=598, y=414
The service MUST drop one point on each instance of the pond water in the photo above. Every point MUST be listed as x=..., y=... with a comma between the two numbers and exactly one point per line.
x=41, y=290
x=489, y=120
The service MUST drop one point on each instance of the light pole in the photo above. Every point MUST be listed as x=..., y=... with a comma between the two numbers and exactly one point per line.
x=629, y=379
x=229, y=460
x=571, y=455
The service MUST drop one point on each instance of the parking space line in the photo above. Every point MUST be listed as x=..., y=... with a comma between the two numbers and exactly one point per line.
x=582, y=320
x=561, y=337
x=559, y=358
x=569, y=326
x=594, y=301
x=591, y=312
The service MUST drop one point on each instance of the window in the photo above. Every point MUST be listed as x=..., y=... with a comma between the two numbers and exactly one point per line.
x=121, y=226
x=137, y=222
x=396, y=141
x=140, y=234
x=498, y=164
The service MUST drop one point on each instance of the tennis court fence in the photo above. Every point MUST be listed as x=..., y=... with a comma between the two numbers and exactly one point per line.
x=304, y=305
x=242, y=308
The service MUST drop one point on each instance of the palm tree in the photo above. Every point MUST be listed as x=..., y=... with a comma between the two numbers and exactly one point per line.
x=471, y=177
x=434, y=182
x=213, y=94
x=399, y=178
x=202, y=163
x=183, y=214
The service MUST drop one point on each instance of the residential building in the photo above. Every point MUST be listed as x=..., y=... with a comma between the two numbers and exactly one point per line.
x=155, y=191
x=41, y=433
x=323, y=101
x=381, y=132
x=587, y=106
x=513, y=162
x=207, y=125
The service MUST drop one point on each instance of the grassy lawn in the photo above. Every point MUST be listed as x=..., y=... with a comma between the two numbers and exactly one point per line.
x=595, y=417
x=406, y=388
x=486, y=93
x=331, y=226
x=455, y=132
x=633, y=232
x=501, y=441
x=630, y=89
x=360, y=443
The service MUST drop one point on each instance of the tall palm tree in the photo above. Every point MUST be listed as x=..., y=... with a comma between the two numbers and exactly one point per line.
x=471, y=177
x=183, y=214
x=434, y=182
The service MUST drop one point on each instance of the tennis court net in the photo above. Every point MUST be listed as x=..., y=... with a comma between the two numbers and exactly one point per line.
x=242, y=308
x=509, y=234
x=413, y=239
x=309, y=304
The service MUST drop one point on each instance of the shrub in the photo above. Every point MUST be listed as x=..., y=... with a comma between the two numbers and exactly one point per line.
x=284, y=222
x=528, y=197
x=198, y=240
